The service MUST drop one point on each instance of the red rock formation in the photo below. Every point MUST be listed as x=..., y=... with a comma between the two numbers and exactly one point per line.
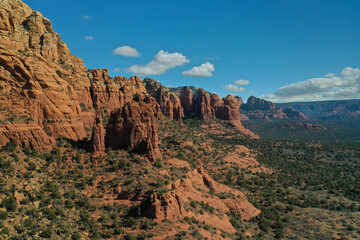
x=217, y=104
x=178, y=111
x=293, y=114
x=163, y=207
x=228, y=109
x=169, y=103
x=254, y=103
x=39, y=79
x=186, y=98
x=98, y=133
x=256, y=108
x=196, y=187
x=26, y=135
x=111, y=93
x=202, y=105
x=134, y=125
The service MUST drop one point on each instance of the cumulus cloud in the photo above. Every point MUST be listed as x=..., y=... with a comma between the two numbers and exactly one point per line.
x=162, y=62
x=126, y=51
x=234, y=88
x=330, y=75
x=241, y=82
x=204, y=70
x=347, y=86
x=89, y=38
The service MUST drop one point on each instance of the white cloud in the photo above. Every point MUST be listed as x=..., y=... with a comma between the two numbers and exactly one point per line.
x=347, y=86
x=126, y=51
x=241, y=82
x=234, y=88
x=330, y=75
x=204, y=70
x=89, y=38
x=87, y=17
x=348, y=71
x=116, y=70
x=162, y=62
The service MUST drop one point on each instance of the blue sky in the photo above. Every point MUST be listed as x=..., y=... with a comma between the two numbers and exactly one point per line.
x=282, y=48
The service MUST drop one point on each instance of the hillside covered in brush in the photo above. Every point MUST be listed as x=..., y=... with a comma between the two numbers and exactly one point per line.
x=84, y=155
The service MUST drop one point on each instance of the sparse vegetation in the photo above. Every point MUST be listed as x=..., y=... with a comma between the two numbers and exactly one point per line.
x=70, y=197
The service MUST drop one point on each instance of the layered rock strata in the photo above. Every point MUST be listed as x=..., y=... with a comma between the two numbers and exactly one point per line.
x=134, y=125
x=170, y=104
x=42, y=84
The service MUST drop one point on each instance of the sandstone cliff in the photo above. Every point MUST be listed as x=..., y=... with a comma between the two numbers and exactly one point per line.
x=110, y=93
x=228, y=109
x=169, y=103
x=42, y=84
x=293, y=114
x=47, y=92
x=202, y=105
x=187, y=98
x=256, y=108
x=134, y=125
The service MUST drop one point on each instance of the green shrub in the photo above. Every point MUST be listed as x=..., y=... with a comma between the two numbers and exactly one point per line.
x=3, y=215
x=46, y=233
x=130, y=236
x=59, y=73
x=10, y=204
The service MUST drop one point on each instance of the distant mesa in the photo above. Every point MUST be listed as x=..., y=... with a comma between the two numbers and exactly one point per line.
x=327, y=110
x=293, y=114
x=256, y=108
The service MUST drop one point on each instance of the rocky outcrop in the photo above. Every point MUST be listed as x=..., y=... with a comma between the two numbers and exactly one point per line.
x=39, y=79
x=170, y=104
x=256, y=108
x=228, y=109
x=110, y=93
x=293, y=114
x=134, y=126
x=196, y=187
x=187, y=98
x=202, y=105
x=218, y=105
x=232, y=105
x=254, y=103
x=98, y=133
x=161, y=207
x=26, y=135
